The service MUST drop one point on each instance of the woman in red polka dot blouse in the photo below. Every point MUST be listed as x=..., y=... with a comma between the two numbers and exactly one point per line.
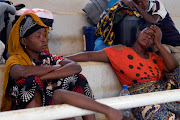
x=142, y=71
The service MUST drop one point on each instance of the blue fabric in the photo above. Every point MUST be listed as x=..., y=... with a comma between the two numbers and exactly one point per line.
x=150, y=6
x=99, y=44
x=90, y=37
x=111, y=3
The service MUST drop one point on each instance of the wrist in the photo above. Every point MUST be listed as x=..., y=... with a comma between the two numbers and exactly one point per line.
x=109, y=112
x=158, y=44
x=55, y=67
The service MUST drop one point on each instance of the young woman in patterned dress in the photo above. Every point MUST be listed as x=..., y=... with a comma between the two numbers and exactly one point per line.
x=34, y=77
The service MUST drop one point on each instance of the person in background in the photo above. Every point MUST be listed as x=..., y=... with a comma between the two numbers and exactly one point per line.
x=153, y=11
x=142, y=71
x=114, y=24
x=5, y=9
x=2, y=47
x=99, y=42
x=33, y=77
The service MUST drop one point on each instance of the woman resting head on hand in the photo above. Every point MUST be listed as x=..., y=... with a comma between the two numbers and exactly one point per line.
x=35, y=78
x=142, y=71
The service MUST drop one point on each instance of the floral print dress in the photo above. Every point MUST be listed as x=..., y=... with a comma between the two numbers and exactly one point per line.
x=23, y=90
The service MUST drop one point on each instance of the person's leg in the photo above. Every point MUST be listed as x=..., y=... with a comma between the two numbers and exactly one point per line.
x=78, y=83
x=82, y=83
x=72, y=98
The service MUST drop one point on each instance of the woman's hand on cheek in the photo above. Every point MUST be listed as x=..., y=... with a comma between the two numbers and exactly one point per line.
x=157, y=34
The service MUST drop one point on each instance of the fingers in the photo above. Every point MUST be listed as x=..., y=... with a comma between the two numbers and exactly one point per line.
x=132, y=5
x=154, y=27
x=157, y=33
x=151, y=30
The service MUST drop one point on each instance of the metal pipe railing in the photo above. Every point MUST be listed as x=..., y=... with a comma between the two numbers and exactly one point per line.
x=67, y=111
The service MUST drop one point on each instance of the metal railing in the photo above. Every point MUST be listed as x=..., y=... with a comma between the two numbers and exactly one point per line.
x=67, y=111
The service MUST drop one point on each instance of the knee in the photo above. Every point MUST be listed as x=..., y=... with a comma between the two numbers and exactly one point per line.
x=57, y=97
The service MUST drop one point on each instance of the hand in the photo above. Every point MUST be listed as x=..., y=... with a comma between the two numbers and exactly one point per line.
x=56, y=66
x=130, y=3
x=157, y=34
x=115, y=115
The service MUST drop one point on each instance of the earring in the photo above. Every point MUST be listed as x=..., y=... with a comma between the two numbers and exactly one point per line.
x=25, y=46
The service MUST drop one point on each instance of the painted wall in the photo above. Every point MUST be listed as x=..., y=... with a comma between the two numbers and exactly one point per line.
x=67, y=36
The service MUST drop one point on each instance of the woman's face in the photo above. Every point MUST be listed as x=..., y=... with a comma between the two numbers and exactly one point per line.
x=144, y=4
x=37, y=42
x=146, y=38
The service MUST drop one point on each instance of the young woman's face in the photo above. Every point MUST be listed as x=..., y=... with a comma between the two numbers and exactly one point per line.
x=146, y=38
x=37, y=42
x=144, y=4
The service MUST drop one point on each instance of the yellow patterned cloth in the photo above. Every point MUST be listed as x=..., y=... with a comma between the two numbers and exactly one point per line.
x=110, y=17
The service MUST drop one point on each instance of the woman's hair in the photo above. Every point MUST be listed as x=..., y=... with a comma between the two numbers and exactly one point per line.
x=145, y=25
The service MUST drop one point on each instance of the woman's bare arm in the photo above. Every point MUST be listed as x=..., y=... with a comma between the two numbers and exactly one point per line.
x=98, y=56
x=170, y=62
x=68, y=67
x=149, y=18
x=64, y=69
x=78, y=100
x=20, y=71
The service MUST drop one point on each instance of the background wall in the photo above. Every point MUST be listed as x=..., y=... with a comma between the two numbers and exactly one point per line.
x=67, y=35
